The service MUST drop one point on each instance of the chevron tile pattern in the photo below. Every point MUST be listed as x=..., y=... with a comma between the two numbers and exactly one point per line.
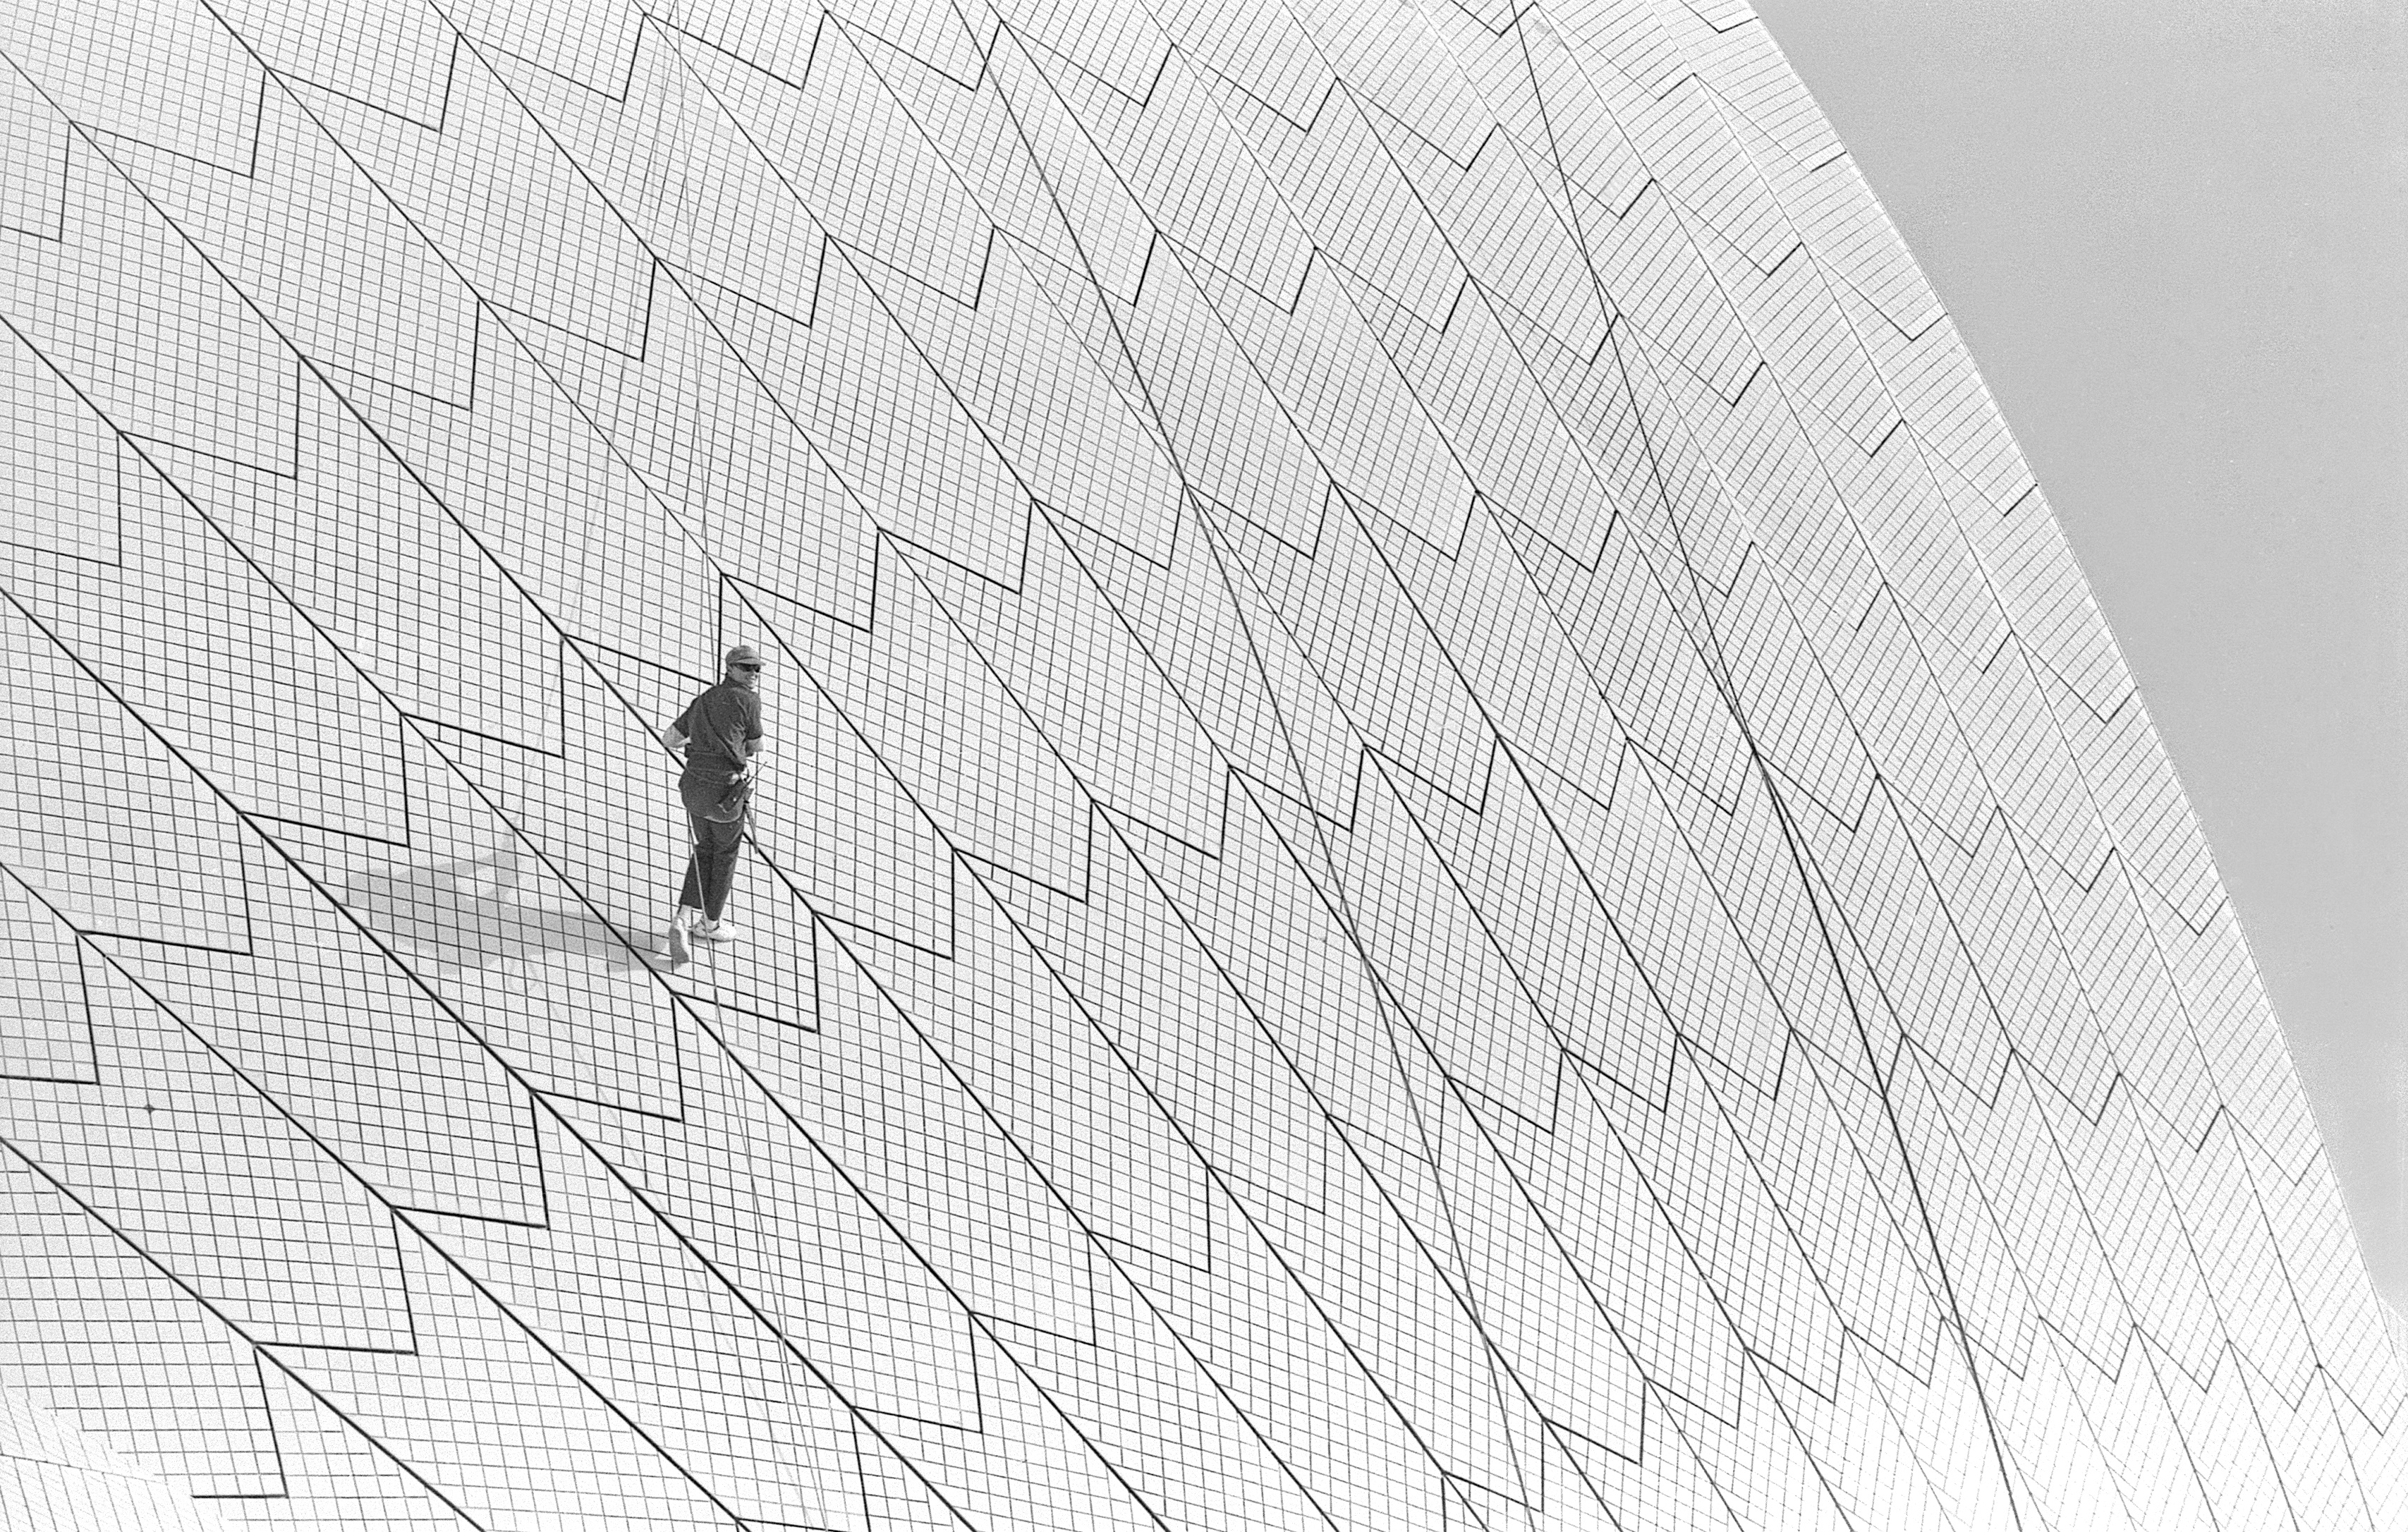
x=1448, y=842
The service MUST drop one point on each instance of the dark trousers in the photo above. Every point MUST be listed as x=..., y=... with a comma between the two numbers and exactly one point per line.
x=711, y=870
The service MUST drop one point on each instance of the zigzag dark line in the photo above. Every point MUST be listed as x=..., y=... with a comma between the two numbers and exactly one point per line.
x=399, y=1214
x=1927, y=664
x=501, y=1062
x=1801, y=856
x=294, y=77
x=195, y=1295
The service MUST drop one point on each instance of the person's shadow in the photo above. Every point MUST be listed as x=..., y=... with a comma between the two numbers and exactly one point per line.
x=468, y=913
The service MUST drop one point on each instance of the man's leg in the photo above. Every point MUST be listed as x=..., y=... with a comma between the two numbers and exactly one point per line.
x=690, y=897
x=694, y=797
x=713, y=875
x=697, y=798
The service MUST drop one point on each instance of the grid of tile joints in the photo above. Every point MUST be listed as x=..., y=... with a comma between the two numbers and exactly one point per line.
x=1448, y=842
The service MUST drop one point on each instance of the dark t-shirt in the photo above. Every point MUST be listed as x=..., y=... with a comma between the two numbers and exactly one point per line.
x=718, y=723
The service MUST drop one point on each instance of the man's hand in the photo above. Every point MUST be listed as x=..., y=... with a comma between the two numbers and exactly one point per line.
x=747, y=773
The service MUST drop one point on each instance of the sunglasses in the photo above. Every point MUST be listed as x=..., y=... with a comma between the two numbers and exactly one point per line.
x=748, y=667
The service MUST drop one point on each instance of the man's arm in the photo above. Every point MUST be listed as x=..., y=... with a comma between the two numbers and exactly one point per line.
x=754, y=743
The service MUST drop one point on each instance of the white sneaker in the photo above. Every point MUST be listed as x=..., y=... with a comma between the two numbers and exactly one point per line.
x=681, y=951
x=722, y=930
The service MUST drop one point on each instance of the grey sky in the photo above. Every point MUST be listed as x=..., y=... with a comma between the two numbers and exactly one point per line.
x=2173, y=235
